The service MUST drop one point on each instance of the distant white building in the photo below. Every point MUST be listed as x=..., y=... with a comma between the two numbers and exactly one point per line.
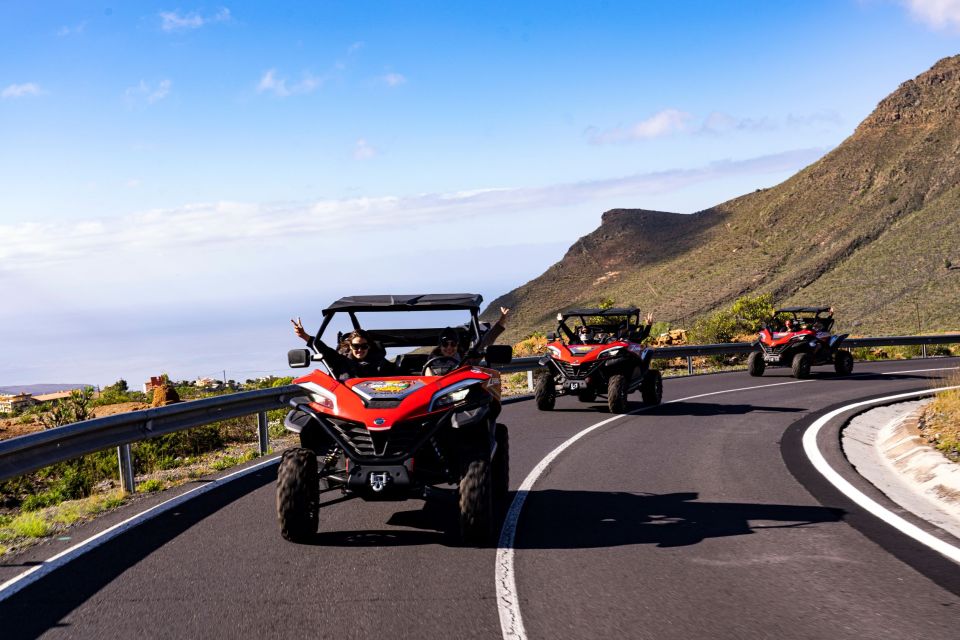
x=18, y=402
x=208, y=383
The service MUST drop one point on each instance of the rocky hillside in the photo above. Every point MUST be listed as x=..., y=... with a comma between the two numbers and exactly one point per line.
x=872, y=228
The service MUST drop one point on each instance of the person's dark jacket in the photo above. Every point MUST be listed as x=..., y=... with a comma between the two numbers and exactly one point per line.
x=343, y=367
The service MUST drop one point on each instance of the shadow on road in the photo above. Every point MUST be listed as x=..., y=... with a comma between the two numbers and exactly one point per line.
x=43, y=604
x=555, y=519
x=712, y=409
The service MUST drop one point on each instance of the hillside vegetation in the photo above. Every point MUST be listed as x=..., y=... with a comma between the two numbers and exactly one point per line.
x=872, y=228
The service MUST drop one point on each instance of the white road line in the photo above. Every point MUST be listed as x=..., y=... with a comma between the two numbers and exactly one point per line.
x=508, y=602
x=895, y=521
x=28, y=577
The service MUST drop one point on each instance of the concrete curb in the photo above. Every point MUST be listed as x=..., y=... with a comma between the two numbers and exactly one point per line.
x=908, y=454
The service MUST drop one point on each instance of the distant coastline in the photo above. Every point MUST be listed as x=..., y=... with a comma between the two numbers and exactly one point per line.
x=40, y=389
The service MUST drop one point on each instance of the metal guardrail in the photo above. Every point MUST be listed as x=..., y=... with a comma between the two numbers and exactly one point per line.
x=37, y=450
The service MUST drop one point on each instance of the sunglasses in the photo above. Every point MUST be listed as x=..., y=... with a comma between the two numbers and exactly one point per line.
x=359, y=346
x=448, y=343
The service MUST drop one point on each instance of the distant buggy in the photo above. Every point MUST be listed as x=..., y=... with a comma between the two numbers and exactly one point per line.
x=799, y=337
x=602, y=356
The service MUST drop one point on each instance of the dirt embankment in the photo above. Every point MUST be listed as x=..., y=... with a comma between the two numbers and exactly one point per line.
x=19, y=426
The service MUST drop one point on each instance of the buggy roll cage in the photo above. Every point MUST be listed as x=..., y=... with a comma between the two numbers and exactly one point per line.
x=419, y=337
x=632, y=314
x=823, y=315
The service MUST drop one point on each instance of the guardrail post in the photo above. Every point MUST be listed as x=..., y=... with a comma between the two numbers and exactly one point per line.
x=125, y=459
x=529, y=379
x=263, y=437
x=690, y=365
x=923, y=350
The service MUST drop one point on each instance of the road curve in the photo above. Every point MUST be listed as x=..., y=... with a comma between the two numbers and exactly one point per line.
x=694, y=519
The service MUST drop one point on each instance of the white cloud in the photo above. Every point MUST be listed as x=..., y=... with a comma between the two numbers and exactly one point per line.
x=148, y=92
x=939, y=14
x=363, y=151
x=34, y=245
x=717, y=123
x=133, y=183
x=271, y=83
x=356, y=46
x=662, y=123
x=393, y=79
x=72, y=30
x=173, y=20
x=21, y=90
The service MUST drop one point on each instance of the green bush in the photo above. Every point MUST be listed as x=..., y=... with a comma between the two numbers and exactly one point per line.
x=753, y=312
x=720, y=327
x=148, y=486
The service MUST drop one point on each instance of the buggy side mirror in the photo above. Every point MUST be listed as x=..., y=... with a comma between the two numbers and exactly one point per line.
x=499, y=354
x=551, y=336
x=299, y=358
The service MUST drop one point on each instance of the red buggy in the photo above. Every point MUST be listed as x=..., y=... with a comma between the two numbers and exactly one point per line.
x=392, y=437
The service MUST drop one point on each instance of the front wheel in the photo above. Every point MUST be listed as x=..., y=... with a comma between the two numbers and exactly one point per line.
x=476, y=502
x=617, y=393
x=843, y=362
x=801, y=366
x=298, y=495
x=755, y=364
x=545, y=393
x=652, y=387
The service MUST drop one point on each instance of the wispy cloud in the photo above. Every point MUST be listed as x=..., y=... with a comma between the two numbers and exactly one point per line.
x=718, y=123
x=148, y=92
x=33, y=244
x=662, y=123
x=939, y=14
x=21, y=90
x=70, y=30
x=270, y=82
x=171, y=21
x=356, y=46
x=393, y=79
x=363, y=151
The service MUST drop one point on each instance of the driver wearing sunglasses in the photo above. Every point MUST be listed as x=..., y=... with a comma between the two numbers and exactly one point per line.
x=363, y=358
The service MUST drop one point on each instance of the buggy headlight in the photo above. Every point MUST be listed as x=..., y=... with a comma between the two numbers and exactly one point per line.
x=321, y=398
x=457, y=392
x=553, y=351
x=609, y=353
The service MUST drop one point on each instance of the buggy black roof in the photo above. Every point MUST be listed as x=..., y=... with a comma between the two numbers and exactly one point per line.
x=619, y=311
x=803, y=310
x=433, y=301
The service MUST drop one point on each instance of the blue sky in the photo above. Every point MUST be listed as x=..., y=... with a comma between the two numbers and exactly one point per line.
x=177, y=180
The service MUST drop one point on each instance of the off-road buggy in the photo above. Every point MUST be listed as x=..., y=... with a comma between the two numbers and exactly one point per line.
x=395, y=437
x=602, y=357
x=799, y=337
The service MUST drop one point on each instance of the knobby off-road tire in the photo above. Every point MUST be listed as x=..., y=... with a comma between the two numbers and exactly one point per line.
x=843, y=362
x=652, y=387
x=476, y=503
x=801, y=365
x=298, y=496
x=501, y=467
x=544, y=393
x=587, y=396
x=617, y=393
x=755, y=364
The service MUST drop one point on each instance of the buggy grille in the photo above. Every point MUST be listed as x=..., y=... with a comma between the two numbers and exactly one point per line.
x=575, y=371
x=398, y=441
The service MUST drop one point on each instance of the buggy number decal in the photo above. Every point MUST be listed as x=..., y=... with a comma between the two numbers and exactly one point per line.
x=389, y=386
x=395, y=389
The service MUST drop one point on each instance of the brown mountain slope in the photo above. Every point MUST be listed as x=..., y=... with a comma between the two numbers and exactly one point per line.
x=867, y=228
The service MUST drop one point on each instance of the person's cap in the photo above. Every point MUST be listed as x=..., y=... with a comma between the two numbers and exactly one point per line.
x=449, y=334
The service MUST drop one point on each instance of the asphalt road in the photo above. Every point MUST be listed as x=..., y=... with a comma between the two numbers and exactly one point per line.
x=696, y=519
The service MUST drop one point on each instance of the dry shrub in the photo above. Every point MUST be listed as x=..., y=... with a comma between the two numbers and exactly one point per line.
x=533, y=346
x=940, y=422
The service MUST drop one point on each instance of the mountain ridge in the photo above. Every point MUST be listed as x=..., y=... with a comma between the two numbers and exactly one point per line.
x=871, y=228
